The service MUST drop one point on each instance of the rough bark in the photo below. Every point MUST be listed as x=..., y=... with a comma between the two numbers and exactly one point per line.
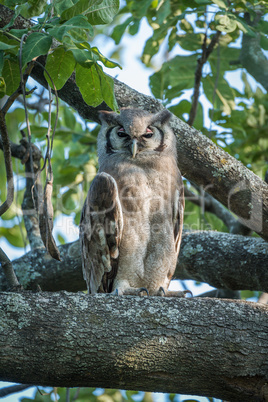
x=254, y=60
x=199, y=159
x=224, y=261
x=195, y=346
x=220, y=259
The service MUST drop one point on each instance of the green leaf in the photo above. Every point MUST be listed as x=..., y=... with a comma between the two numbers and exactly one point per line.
x=119, y=30
x=11, y=74
x=84, y=57
x=107, y=88
x=62, y=5
x=13, y=235
x=134, y=27
x=33, y=8
x=5, y=46
x=139, y=8
x=95, y=86
x=221, y=96
x=106, y=62
x=1, y=61
x=88, y=82
x=220, y=3
x=2, y=87
x=18, y=32
x=175, y=76
x=69, y=117
x=36, y=45
x=61, y=239
x=191, y=41
x=224, y=23
x=13, y=3
x=12, y=45
x=96, y=11
x=264, y=42
x=163, y=12
x=75, y=24
x=60, y=65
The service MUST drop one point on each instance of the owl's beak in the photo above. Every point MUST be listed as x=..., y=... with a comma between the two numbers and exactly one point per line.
x=134, y=148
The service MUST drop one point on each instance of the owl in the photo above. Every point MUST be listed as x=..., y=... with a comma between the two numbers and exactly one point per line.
x=131, y=222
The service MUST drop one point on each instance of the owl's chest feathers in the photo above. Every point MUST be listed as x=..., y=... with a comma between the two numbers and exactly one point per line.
x=146, y=192
x=147, y=197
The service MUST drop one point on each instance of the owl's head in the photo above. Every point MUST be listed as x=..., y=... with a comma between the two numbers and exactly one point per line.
x=135, y=133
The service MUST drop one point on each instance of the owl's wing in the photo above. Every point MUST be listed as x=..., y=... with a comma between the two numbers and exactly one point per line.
x=179, y=204
x=100, y=231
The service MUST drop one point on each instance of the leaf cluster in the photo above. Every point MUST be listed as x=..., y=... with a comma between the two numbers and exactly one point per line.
x=64, y=32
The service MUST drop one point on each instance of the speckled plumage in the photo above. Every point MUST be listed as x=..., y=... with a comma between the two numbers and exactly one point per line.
x=131, y=223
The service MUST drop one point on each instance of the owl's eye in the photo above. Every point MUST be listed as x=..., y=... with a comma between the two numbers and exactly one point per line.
x=121, y=133
x=149, y=133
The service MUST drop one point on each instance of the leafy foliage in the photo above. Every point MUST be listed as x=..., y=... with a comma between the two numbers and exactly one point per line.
x=71, y=25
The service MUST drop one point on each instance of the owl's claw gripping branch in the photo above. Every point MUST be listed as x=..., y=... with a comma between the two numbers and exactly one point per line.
x=179, y=293
x=130, y=291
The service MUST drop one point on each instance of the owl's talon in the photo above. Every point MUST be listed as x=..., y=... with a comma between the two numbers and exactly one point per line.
x=114, y=293
x=161, y=289
x=140, y=290
x=188, y=291
x=183, y=293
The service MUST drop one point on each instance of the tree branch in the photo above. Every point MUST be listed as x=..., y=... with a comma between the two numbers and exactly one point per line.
x=220, y=259
x=224, y=261
x=8, y=164
x=206, y=51
x=210, y=349
x=13, y=389
x=252, y=57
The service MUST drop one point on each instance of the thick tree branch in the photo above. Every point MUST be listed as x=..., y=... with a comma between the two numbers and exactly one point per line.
x=194, y=346
x=199, y=159
x=222, y=260
x=252, y=57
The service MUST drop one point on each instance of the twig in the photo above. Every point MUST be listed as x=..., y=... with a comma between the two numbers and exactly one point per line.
x=215, y=87
x=8, y=164
x=8, y=270
x=30, y=199
x=206, y=51
x=23, y=84
x=13, y=389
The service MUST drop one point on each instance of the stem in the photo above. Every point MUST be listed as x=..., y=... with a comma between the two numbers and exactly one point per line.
x=8, y=163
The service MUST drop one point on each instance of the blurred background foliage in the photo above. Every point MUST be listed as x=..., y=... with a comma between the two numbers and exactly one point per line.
x=100, y=395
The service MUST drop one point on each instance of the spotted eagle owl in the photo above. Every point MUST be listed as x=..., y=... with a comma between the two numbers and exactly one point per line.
x=131, y=222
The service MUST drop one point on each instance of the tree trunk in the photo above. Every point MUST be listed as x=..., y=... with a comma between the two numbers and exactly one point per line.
x=195, y=346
